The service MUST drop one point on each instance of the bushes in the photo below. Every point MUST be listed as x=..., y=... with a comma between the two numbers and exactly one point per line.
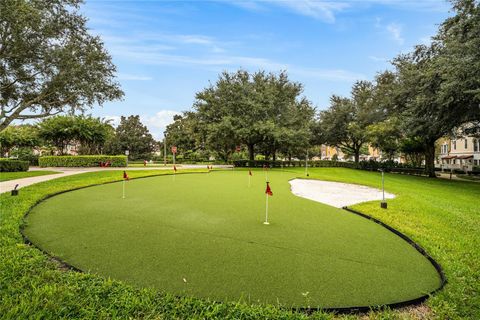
x=370, y=165
x=295, y=163
x=82, y=161
x=9, y=165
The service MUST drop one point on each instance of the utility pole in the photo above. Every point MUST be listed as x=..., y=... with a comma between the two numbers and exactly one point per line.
x=165, y=149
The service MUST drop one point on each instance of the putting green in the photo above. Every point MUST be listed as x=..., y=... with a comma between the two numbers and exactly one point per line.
x=203, y=235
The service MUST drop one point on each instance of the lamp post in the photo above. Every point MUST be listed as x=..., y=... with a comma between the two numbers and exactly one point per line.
x=165, y=148
x=383, y=204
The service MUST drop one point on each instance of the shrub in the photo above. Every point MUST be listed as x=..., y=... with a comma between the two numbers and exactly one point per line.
x=25, y=154
x=82, y=161
x=9, y=165
x=370, y=165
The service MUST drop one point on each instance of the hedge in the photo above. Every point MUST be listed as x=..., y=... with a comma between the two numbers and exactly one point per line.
x=370, y=165
x=82, y=161
x=10, y=165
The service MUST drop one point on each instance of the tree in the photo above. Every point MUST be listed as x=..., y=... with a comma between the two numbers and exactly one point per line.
x=133, y=136
x=48, y=61
x=90, y=133
x=343, y=124
x=439, y=84
x=22, y=136
x=185, y=133
x=58, y=131
x=386, y=136
x=253, y=107
x=458, y=62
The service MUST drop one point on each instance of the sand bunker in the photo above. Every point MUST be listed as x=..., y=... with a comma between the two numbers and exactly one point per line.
x=335, y=194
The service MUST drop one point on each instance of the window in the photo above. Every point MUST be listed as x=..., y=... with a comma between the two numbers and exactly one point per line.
x=476, y=145
x=466, y=143
x=454, y=144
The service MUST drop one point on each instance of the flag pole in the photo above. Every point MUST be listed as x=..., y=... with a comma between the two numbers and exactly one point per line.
x=266, y=210
x=123, y=191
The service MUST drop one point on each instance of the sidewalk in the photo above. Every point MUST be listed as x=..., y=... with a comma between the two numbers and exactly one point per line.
x=6, y=186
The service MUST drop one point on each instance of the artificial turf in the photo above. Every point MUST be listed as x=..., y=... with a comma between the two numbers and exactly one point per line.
x=202, y=235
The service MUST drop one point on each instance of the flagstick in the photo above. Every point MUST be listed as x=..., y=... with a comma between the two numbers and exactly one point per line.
x=266, y=211
x=123, y=187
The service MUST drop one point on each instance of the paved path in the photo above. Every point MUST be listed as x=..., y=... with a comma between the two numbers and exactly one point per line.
x=444, y=175
x=6, y=186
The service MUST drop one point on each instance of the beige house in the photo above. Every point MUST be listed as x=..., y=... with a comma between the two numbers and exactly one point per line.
x=462, y=153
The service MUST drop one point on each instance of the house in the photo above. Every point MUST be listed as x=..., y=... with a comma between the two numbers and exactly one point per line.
x=328, y=153
x=459, y=153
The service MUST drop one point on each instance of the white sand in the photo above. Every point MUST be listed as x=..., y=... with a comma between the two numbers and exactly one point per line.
x=335, y=194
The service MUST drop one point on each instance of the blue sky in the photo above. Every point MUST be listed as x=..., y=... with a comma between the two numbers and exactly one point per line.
x=166, y=51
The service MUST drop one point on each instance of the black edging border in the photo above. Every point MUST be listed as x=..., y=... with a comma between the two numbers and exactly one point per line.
x=307, y=310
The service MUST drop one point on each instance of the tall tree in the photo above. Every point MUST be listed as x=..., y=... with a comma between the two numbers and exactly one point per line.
x=185, y=133
x=49, y=63
x=439, y=84
x=90, y=133
x=22, y=136
x=252, y=106
x=58, y=131
x=133, y=136
x=343, y=124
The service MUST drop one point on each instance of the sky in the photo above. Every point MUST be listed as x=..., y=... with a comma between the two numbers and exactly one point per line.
x=166, y=51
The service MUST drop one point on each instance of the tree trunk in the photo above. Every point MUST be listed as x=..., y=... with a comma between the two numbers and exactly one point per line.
x=430, y=158
x=357, y=156
x=274, y=157
x=251, y=153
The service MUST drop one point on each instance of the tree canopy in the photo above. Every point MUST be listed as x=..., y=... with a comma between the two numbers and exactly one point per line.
x=253, y=109
x=133, y=136
x=49, y=63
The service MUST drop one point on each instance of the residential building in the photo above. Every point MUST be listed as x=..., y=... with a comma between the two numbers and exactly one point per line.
x=459, y=153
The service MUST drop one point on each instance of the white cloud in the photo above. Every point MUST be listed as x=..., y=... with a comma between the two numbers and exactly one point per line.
x=321, y=10
x=378, y=59
x=318, y=9
x=114, y=120
x=159, y=121
x=395, y=31
x=326, y=74
x=133, y=77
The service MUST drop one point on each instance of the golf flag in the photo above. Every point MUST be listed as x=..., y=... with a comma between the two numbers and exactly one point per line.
x=125, y=178
x=174, y=168
x=250, y=173
x=268, y=191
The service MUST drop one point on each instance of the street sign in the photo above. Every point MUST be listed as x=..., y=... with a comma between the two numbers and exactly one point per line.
x=174, y=149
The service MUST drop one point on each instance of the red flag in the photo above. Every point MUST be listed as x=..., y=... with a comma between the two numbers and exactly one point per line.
x=175, y=168
x=269, y=191
x=250, y=173
x=125, y=175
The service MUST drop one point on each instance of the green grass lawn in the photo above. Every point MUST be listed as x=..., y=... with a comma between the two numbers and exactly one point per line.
x=5, y=176
x=443, y=216
x=202, y=235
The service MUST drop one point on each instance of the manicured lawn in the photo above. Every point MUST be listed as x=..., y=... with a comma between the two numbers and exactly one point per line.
x=443, y=216
x=5, y=176
x=202, y=235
